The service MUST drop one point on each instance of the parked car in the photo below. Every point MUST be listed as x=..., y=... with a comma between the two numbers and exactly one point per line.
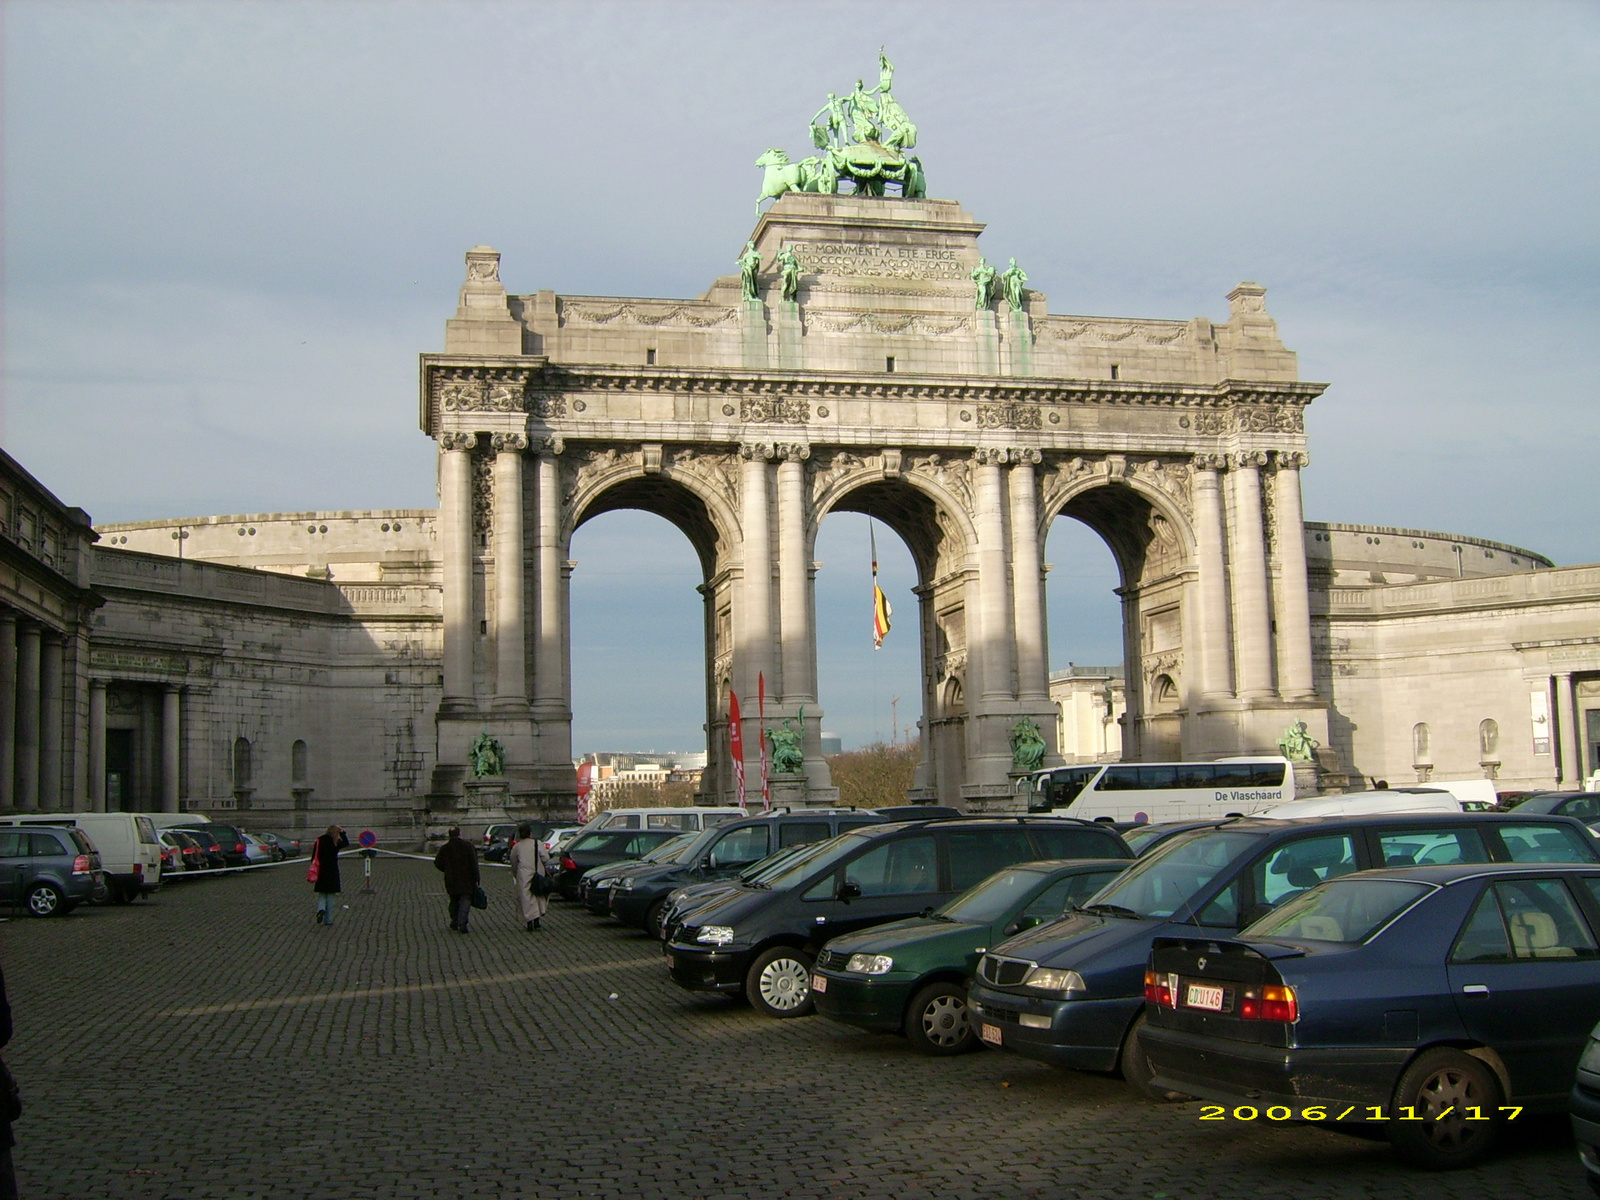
x=126, y=842
x=1431, y=999
x=1072, y=993
x=678, y=820
x=594, y=890
x=195, y=855
x=1583, y=805
x=210, y=847
x=176, y=855
x=911, y=976
x=288, y=845
x=1584, y=1104
x=761, y=942
x=723, y=852
x=1142, y=839
x=681, y=902
x=231, y=841
x=258, y=852
x=48, y=871
x=598, y=847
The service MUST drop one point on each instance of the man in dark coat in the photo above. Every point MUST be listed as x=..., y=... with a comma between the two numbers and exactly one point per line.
x=458, y=859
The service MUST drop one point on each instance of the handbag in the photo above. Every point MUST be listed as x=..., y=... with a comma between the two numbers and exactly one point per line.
x=541, y=885
x=315, y=869
x=480, y=898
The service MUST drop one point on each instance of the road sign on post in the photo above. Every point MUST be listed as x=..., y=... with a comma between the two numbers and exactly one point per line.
x=368, y=841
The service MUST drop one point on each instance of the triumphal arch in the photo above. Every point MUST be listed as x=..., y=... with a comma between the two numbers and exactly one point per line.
x=867, y=358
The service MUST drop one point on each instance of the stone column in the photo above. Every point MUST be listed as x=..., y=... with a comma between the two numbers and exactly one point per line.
x=8, y=710
x=1294, y=589
x=1251, y=607
x=455, y=528
x=1027, y=582
x=1567, y=729
x=549, y=657
x=97, y=745
x=756, y=618
x=1216, y=644
x=52, y=662
x=794, y=577
x=994, y=586
x=171, y=732
x=27, y=794
x=511, y=671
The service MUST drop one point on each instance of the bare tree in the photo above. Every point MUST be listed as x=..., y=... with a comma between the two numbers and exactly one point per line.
x=875, y=776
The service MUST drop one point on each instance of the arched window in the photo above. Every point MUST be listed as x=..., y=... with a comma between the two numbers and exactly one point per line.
x=1488, y=738
x=1421, y=743
x=1164, y=695
x=299, y=762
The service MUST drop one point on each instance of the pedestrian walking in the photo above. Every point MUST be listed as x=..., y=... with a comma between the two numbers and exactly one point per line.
x=530, y=869
x=324, y=871
x=459, y=861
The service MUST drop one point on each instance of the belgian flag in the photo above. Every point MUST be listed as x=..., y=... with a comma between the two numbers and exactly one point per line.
x=881, y=611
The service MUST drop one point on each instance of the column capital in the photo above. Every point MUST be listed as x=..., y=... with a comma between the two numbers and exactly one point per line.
x=1026, y=456
x=1291, y=460
x=509, y=443
x=99, y=683
x=1248, y=460
x=757, y=451
x=551, y=445
x=793, y=451
x=990, y=456
x=1210, y=462
x=457, y=441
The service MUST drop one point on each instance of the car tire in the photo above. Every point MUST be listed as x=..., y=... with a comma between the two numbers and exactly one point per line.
x=1136, y=1069
x=652, y=918
x=778, y=983
x=938, y=1021
x=1435, y=1081
x=122, y=894
x=45, y=900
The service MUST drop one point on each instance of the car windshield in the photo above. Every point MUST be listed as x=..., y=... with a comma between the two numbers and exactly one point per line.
x=1173, y=874
x=773, y=863
x=673, y=850
x=1141, y=837
x=1542, y=804
x=827, y=853
x=1346, y=910
x=987, y=902
x=597, y=840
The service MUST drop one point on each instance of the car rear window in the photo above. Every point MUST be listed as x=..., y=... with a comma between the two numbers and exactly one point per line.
x=1532, y=843
x=794, y=833
x=976, y=854
x=85, y=846
x=147, y=830
x=1071, y=841
x=1524, y=919
x=1347, y=910
x=600, y=839
x=45, y=845
x=1431, y=847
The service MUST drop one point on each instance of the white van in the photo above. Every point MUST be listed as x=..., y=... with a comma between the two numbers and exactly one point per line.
x=1363, y=804
x=1156, y=792
x=183, y=820
x=681, y=819
x=130, y=852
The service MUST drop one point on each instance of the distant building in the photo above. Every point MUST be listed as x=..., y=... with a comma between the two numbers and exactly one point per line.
x=832, y=743
x=1089, y=704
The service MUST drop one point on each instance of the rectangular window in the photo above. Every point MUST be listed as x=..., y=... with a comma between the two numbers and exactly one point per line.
x=1431, y=848
x=976, y=854
x=1074, y=842
x=1158, y=778
x=1195, y=775
x=1543, y=920
x=1119, y=779
x=1545, y=844
x=1300, y=865
x=888, y=363
x=44, y=845
x=907, y=866
x=1115, y=371
x=795, y=833
x=1232, y=775
x=649, y=358
x=740, y=847
x=13, y=844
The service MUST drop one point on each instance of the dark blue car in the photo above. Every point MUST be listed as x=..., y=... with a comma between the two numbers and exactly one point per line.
x=1439, y=1004
x=1072, y=992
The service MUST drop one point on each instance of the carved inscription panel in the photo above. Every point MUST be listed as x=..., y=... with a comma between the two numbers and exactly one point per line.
x=903, y=262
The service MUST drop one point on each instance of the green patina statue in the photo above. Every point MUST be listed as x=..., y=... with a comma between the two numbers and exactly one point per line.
x=861, y=137
x=749, y=264
x=1012, y=279
x=787, y=756
x=983, y=277
x=1297, y=743
x=488, y=756
x=1027, y=746
x=789, y=272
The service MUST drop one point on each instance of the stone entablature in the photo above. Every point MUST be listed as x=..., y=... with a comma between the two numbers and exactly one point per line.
x=1361, y=556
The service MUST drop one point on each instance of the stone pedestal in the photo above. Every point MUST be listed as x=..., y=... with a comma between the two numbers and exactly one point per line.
x=483, y=803
x=990, y=799
x=788, y=791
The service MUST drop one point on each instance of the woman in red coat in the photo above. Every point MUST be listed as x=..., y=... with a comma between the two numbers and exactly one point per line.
x=325, y=861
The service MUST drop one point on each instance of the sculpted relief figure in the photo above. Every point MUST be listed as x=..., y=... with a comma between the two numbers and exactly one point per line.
x=1012, y=279
x=749, y=264
x=787, y=757
x=789, y=269
x=983, y=280
x=1297, y=743
x=487, y=756
x=1027, y=746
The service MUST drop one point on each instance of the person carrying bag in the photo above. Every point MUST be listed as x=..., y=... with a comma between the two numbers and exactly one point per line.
x=530, y=872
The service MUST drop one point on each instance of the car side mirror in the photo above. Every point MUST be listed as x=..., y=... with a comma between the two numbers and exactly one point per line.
x=848, y=890
x=1020, y=924
x=705, y=863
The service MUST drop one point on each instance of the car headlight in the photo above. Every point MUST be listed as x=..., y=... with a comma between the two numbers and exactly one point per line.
x=1051, y=979
x=869, y=964
x=623, y=885
x=715, y=935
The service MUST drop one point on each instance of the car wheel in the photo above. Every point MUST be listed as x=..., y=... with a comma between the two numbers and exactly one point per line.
x=939, y=1022
x=652, y=919
x=778, y=983
x=122, y=894
x=1441, y=1086
x=1136, y=1068
x=45, y=900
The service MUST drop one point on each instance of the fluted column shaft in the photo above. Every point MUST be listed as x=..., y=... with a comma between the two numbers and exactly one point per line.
x=52, y=660
x=1251, y=600
x=1567, y=729
x=999, y=662
x=171, y=748
x=549, y=664
x=8, y=710
x=27, y=795
x=97, y=745
x=1216, y=633
x=1027, y=583
x=794, y=580
x=455, y=524
x=511, y=660
x=756, y=620
x=1294, y=589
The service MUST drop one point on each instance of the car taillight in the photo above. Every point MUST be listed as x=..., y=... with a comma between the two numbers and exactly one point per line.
x=138, y=868
x=1274, y=1002
x=239, y=849
x=1156, y=990
x=567, y=864
x=80, y=865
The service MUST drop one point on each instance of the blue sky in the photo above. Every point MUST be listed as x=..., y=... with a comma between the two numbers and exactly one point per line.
x=229, y=229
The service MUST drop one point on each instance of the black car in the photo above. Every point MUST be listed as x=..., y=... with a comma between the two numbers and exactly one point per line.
x=215, y=859
x=594, y=890
x=761, y=941
x=1583, y=805
x=722, y=852
x=1426, y=1003
x=1142, y=839
x=1584, y=1104
x=231, y=842
x=1072, y=993
x=601, y=846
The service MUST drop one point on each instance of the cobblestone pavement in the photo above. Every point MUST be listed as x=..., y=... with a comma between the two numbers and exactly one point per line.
x=214, y=1042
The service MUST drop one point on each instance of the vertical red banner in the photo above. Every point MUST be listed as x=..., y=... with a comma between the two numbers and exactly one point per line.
x=736, y=743
x=585, y=787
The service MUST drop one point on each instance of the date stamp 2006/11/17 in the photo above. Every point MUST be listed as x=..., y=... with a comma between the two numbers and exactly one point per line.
x=1371, y=1112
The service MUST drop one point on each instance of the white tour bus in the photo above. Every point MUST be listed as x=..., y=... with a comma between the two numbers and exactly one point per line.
x=1156, y=792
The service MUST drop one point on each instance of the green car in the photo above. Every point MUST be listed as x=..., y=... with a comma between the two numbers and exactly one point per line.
x=911, y=976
